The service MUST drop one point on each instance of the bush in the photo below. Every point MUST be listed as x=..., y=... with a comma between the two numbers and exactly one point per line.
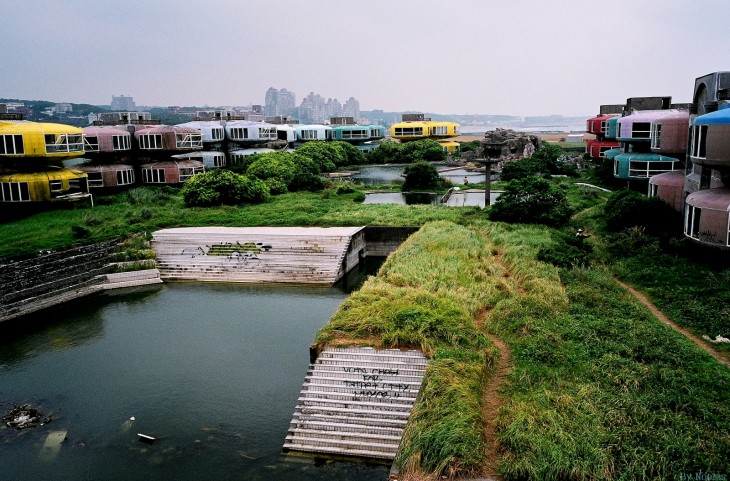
x=531, y=200
x=353, y=155
x=325, y=155
x=386, y=153
x=421, y=175
x=221, y=186
x=422, y=150
x=627, y=208
x=306, y=174
x=568, y=250
x=276, y=169
x=80, y=232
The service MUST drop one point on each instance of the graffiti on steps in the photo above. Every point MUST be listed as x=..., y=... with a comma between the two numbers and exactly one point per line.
x=374, y=384
x=238, y=251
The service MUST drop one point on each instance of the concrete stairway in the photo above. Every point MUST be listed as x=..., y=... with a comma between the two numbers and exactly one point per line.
x=300, y=255
x=356, y=402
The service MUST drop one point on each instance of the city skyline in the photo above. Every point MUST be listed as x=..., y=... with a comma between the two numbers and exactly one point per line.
x=524, y=58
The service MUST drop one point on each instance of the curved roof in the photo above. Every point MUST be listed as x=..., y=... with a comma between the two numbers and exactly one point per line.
x=24, y=126
x=645, y=157
x=105, y=131
x=162, y=129
x=674, y=178
x=179, y=163
x=716, y=199
x=43, y=175
x=104, y=167
x=602, y=117
x=681, y=116
x=717, y=117
x=650, y=115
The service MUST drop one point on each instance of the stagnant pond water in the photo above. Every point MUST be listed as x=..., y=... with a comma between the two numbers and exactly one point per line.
x=388, y=174
x=213, y=369
x=464, y=198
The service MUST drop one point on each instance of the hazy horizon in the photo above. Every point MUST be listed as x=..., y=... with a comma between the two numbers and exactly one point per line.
x=521, y=58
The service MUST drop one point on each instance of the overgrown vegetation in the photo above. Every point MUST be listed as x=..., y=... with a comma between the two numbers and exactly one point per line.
x=421, y=175
x=531, y=200
x=426, y=296
x=218, y=187
x=598, y=390
x=407, y=152
x=544, y=162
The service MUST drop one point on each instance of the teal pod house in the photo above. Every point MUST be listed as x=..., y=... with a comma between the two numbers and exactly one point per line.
x=612, y=128
x=642, y=165
x=350, y=133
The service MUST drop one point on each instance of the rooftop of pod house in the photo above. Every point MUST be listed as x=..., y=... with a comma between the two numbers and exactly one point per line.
x=709, y=141
x=25, y=139
x=637, y=126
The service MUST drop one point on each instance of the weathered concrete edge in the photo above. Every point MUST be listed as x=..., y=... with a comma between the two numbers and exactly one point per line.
x=106, y=282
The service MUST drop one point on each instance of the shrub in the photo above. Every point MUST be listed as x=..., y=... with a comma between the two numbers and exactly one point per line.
x=386, y=153
x=568, y=250
x=353, y=155
x=531, y=200
x=276, y=169
x=325, y=155
x=221, y=186
x=422, y=150
x=306, y=174
x=80, y=232
x=421, y=175
x=627, y=208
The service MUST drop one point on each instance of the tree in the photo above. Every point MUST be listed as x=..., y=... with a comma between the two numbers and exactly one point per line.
x=306, y=174
x=276, y=169
x=326, y=156
x=531, y=200
x=421, y=175
x=222, y=186
x=417, y=150
x=353, y=155
x=545, y=161
x=386, y=153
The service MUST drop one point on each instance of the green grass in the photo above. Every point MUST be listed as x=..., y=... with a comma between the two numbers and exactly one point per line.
x=426, y=296
x=147, y=209
x=599, y=389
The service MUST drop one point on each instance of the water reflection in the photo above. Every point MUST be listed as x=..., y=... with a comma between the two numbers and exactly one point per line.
x=393, y=174
x=468, y=198
x=213, y=370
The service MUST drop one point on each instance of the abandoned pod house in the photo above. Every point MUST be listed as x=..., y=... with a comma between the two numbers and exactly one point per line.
x=418, y=127
x=696, y=135
x=28, y=151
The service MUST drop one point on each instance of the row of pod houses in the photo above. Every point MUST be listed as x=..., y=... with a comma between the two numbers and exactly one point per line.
x=131, y=151
x=679, y=152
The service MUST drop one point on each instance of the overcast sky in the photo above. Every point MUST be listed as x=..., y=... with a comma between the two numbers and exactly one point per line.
x=515, y=57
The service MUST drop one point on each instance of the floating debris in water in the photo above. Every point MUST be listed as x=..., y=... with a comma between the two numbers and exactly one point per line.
x=25, y=416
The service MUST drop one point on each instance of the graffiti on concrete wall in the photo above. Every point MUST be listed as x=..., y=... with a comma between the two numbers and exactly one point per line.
x=240, y=252
x=376, y=384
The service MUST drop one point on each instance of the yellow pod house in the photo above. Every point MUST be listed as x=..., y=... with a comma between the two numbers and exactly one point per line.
x=21, y=140
x=49, y=185
x=418, y=127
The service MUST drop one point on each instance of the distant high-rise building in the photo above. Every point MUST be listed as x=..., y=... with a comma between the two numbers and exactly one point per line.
x=313, y=109
x=123, y=103
x=351, y=108
x=279, y=102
